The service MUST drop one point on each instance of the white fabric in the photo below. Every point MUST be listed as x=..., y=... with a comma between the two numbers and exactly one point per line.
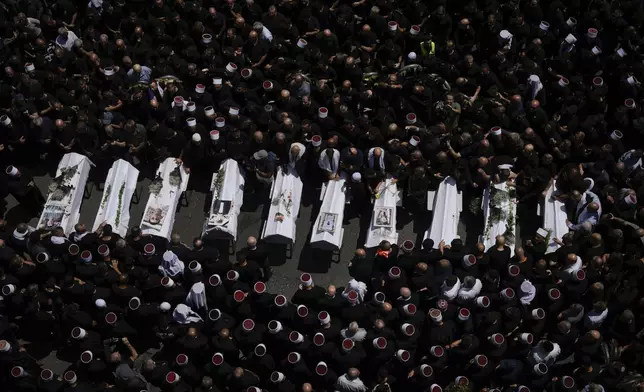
x=381, y=161
x=539, y=355
x=182, y=314
x=333, y=201
x=171, y=265
x=324, y=163
x=535, y=85
x=266, y=34
x=285, y=186
x=122, y=174
x=168, y=198
x=72, y=203
x=575, y=267
x=57, y=240
x=529, y=294
x=219, y=224
x=196, y=298
x=554, y=218
x=470, y=293
x=595, y=319
x=291, y=161
x=388, y=192
x=447, y=207
x=451, y=292
x=77, y=237
x=497, y=228
x=344, y=384
x=69, y=43
x=358, y=287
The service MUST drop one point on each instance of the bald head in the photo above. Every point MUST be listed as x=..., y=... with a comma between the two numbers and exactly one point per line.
x=361, y=253
x=330, y=290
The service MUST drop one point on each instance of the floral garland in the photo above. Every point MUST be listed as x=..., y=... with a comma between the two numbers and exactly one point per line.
x=108, y=191
x=499, y=199
x=174, y=178
x=156, y=185
x=219, y=182
x=118, y=209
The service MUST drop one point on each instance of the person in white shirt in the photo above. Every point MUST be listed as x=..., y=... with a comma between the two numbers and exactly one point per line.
x=66, y=38
x=354, y=332
x=595, y=318
x=350, y=382
x=262, y=31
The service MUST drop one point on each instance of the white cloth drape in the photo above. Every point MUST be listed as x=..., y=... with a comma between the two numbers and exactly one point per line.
x=184, y=315
x=171, y=265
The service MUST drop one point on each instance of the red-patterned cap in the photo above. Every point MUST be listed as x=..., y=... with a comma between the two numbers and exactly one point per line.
x=248, y=325
x=321, y=369
x=568, y=382
x=239, y=295
x=280, y=300
x=181, y=359
x=111, y=318
x=318, y=339
x=171, y=377
x=347, y=344
x=260, y=287
x=302, y=311
x=217, y=359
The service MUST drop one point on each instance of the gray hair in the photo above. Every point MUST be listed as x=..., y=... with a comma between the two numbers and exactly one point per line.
x=121, y=243
x=258, y=26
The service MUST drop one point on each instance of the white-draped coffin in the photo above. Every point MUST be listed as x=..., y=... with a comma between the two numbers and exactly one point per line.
x=160, y=210
x=120, y=185
x=554, y=218
x=383, y=217
x=286, y=195
x=447, y=205
x=65, y=211
x=327, y=230
x=227, y=187
x=503, y=210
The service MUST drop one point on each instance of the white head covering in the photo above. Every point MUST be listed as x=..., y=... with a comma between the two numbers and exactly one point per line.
x=184, y=315
x=358, y=287
x=535, y=85
x=171, y=265
x=197, y=296
x=527, y=292
x=451, y=292
x=292, y=161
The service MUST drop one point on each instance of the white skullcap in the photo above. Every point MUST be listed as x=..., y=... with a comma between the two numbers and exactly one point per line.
x=165, y=306
x=196, y=137
x=356, y=176
x=412, y=56
x=100, y=303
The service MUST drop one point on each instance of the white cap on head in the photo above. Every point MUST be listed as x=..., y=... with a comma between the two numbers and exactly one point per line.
x=217, y=81
x=165, y=306
x=357, y=177
x=5, y=120
x=497, y=131
x=196, y=137
x=621, y=52
x=233, y=111
x=200, y=89
x=209, y=111
x=393, y=26
x=231, y=67
x=100, y=303
x=414, y=140
x=592, y=33
x=306, y=279
x=29, y=67
x=191, y=121
x=191, y=107
x=412, y=56
x=323, y=112
x=571, y=39
x=571, y=22
x=596, y=50
x=504, y=34
x=414, y=30
x=206, y=38
x=544, y=25
x=301, y=43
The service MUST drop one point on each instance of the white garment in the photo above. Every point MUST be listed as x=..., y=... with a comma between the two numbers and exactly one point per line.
x=358, y=287
x=326, y=165
x=69, y=43
x=293, y=160
x=171, y=265
x=528, y=296
x=77, y=237
x=535, y=86
x=196, y=298
x=381, y=160
x=266, y=34
x=452, y=292
x=470, y=293
x=344, y=384
x=184, y=315
x=595, y=319
x=56, y=240
x=575, y=267
x=539, y=355
x=359, y=336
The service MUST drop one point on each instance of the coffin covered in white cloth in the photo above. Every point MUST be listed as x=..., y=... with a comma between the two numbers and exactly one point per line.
x=227, y=187
x=286, y=194
x=447, y=204
x=120, y=185
x=165, y=192
x=499, y=212
x=554, y=218
x=66, y=193
x=383, y=218
x=327, y=230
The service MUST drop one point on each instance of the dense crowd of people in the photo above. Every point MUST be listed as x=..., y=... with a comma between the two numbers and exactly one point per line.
x=530, y=93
